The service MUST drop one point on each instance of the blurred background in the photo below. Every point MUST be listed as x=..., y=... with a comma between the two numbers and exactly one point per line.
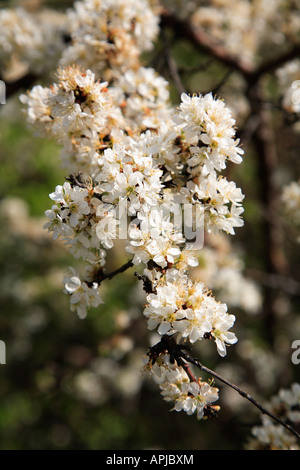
x=78, y=384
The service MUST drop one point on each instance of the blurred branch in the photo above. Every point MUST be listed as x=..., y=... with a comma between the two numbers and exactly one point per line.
x=221, y=83
x=172, y=67
x=197, y=68
x=264, y=142
x=200, y=39
x=246, y=133
x=275, y=281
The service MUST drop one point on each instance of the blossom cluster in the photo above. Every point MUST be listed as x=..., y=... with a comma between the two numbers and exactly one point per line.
x=132, y=157
x=108, y=36
x=190, y=396
x=186, y=308
x=26, y=39
x=179, y=387
x=81, y=114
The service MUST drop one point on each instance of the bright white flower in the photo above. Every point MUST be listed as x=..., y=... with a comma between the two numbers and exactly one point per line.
x=186, y=308
x=78, y=221
x=147, y=102
x=218, y=202
x=74, y=199
x=107, y=225
x=194, y=325
x=70, y=211
x=154, y=238
x=130, y=175
x=163, y=309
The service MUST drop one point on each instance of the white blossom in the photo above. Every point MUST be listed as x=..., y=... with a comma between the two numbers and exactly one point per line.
x=191, y=397
x=82, y=296
x=187, y=309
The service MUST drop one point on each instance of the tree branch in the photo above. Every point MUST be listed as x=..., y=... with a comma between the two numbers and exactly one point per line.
x=101, y=276
x=201, y=40
x=240, y=392
x=168, y=343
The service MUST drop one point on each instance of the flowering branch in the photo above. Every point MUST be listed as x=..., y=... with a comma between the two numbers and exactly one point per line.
x=129, y=151
x=168, y=345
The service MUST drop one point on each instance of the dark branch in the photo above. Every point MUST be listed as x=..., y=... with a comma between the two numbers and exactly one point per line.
x=202, y=41
x=240, y=392
x=177, y=353
x=274, y=63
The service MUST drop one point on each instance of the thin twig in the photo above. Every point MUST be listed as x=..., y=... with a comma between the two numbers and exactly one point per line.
x=101, y=276
x=240, y=391
x=168, y=344
x=187, y=369
x=201, y=40
x=119, y=270
x=173, y=70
